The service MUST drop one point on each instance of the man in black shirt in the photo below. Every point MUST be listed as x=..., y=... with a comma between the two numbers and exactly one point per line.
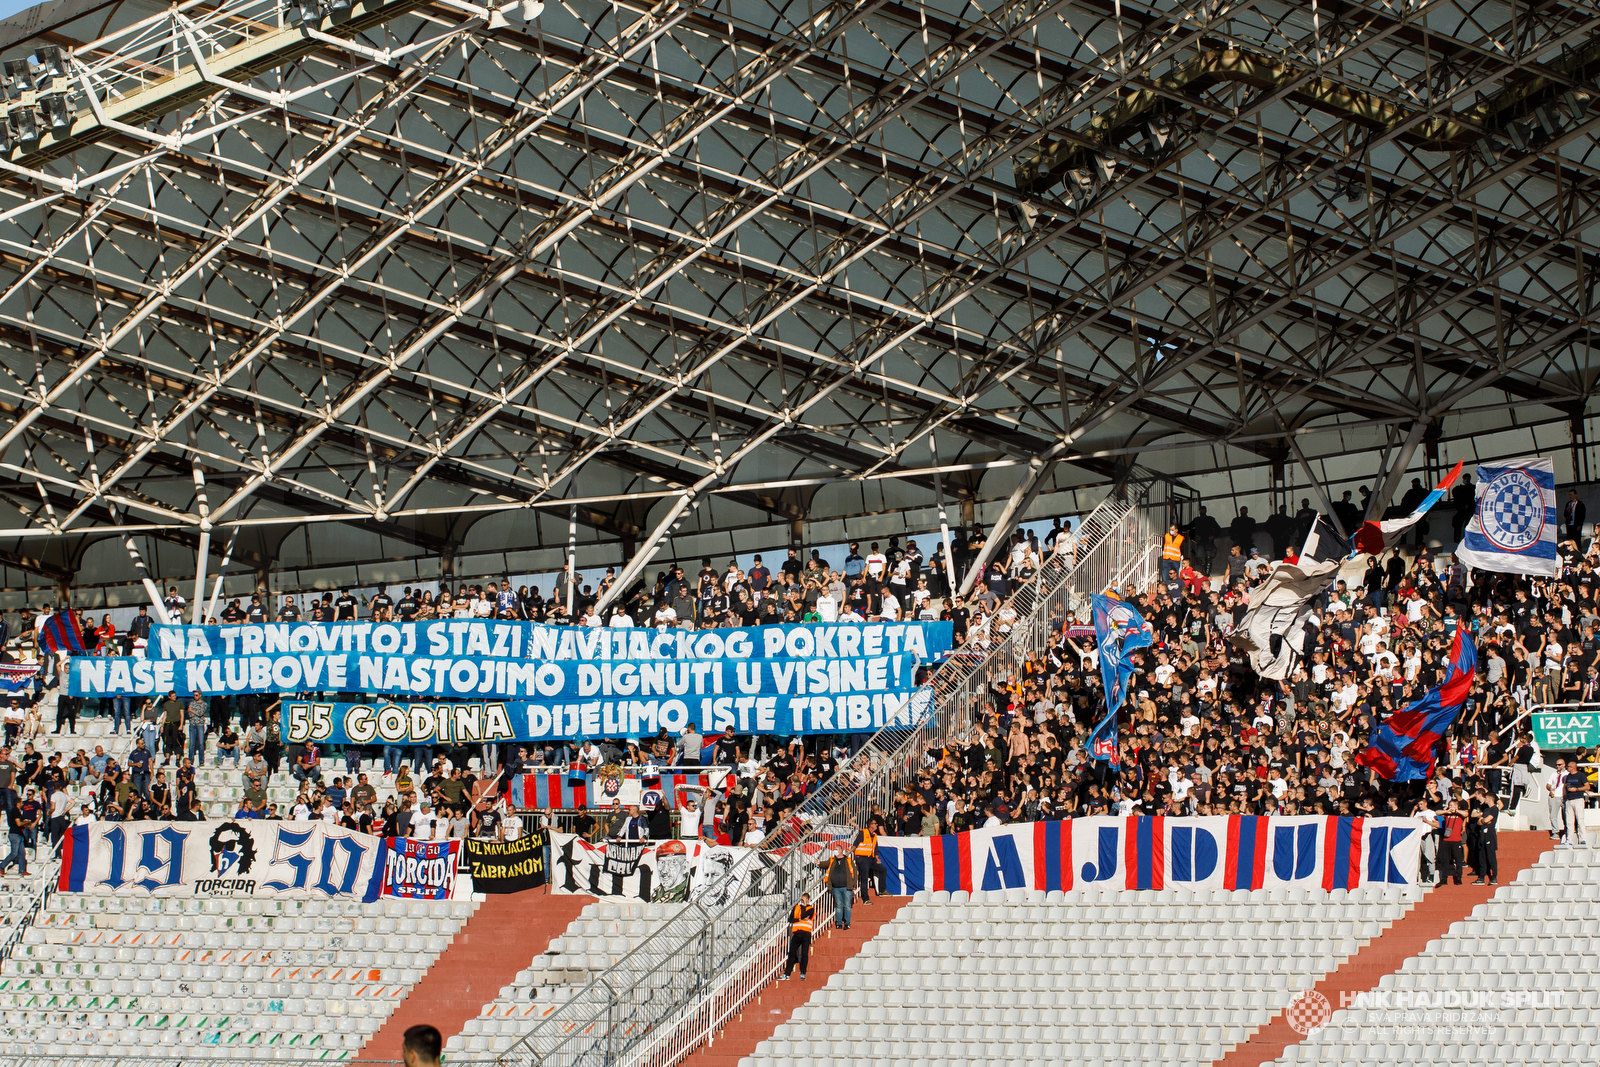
x=345, y=607
x=381, y=605
x=289, y=613
x=233, y=614
x=407, y=608
x=256, y=613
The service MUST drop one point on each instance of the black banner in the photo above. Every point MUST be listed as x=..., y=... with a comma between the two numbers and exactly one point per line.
x=506, y=866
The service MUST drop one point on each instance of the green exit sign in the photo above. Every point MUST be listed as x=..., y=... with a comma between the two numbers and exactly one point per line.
x=1567, y=729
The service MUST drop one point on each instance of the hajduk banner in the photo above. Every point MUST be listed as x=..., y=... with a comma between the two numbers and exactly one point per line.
x=416, y=723
x=421, y=870
x=247, y=858
x=1152, y=852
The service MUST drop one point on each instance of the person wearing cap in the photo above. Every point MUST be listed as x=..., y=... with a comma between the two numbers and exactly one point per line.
x=422, y=822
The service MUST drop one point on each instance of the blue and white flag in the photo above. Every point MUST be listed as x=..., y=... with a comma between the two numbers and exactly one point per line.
x=1513, y=530
x=1118, y=630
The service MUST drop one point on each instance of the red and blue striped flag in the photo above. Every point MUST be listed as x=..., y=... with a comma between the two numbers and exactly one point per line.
x=1403, y=749
x=61, y=633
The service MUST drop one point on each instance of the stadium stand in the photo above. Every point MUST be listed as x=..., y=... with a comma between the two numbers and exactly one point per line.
x=602, y=934
x=221, y=978
x=1018, y=975
x=1531, y=944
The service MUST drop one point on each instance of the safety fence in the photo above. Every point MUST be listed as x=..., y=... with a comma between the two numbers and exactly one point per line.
x=680, y=986
x=42, y=890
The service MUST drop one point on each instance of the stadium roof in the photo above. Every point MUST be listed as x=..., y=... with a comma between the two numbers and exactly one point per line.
x=352, y=281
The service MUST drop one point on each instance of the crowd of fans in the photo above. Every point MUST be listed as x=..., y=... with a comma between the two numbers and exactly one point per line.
x=1202, y=734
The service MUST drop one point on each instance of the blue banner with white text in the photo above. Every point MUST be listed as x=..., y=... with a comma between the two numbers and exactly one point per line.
x=495, y=722
x=483, y=678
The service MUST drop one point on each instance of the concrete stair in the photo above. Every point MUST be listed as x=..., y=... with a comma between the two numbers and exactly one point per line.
x=774, y=1004
x=1430, y=918
x=502, y=937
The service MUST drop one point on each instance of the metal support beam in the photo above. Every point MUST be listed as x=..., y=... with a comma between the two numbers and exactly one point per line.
x=156, y=603
x=1022, y=497
x=1397, y=470
x=944, y=521
x=216, y=589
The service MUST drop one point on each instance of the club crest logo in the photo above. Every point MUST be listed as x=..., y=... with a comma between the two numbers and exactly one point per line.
x=1511, y=511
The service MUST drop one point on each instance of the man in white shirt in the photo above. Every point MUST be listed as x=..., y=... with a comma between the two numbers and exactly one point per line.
x=665, y=616
x=688, y=815
x=877, y=563
x=890, y=610
x=422, y=823
x=620, y=618
x=827, y=606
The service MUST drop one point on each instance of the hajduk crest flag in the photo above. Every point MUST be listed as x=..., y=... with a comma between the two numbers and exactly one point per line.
x=1404, y=748
x=1375, y=537
x=1513, y=529
x=1119, y=629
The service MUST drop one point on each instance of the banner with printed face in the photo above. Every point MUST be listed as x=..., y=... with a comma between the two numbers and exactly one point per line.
x=506, y=866
x=421, y=870
x=494, y=639
x=1152, y=852
x=417, y=723
x=248, y=858
x=753, y=691
x=659, y=872
x=671, y=871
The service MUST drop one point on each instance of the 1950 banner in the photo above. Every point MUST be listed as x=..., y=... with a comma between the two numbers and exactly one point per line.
x=247, y=858
x=1151, y=852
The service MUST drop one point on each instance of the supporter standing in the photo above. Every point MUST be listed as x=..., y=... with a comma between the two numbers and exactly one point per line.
x=1575, y=791
x=1487, y=863
x=1451, y=847
x=866, y=850
x=196, y=717
x=842, y=877
x=801, y=918
x=1555, y=792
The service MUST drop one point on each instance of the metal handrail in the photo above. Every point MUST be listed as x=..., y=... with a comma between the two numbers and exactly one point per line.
x=48, y=878
x=602, y=1031
x=1528, y=712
